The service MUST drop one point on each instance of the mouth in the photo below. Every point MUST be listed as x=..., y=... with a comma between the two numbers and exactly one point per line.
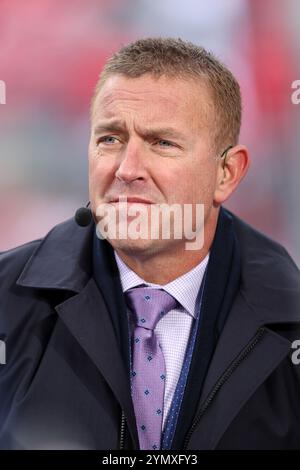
x=130, y=200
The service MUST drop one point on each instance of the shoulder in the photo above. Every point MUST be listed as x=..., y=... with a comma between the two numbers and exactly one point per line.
x=13, y=261
x=21, y=303
x=270, y=279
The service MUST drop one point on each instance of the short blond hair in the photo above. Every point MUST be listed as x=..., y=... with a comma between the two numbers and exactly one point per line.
x=176, y=58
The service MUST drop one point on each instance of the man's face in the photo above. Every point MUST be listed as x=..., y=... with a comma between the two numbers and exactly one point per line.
x=152, y=139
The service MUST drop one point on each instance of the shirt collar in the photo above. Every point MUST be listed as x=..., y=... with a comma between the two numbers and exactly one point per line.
x=184, y=289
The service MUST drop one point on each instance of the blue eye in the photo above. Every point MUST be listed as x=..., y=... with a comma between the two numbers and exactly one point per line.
x=107, y=139
x=166, y=142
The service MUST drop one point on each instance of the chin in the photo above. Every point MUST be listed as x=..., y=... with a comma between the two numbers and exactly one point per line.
x=135, y=246
x=145, y=248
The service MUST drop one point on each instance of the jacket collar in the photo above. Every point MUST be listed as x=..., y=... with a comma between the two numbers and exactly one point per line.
x=64, y=260
x=270, y=280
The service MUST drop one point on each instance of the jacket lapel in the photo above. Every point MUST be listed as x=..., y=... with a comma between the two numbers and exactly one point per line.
x=107, y=277
x=89, y=321
x=255, y=357
x=63, y=261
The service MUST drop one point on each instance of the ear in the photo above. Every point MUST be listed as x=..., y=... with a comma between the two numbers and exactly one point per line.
x=230, y=172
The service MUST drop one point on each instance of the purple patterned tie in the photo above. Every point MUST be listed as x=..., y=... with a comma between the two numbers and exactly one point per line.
x=148, y=369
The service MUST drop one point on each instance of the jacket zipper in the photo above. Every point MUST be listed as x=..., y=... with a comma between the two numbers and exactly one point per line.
x=221, y=381
x=122, y=431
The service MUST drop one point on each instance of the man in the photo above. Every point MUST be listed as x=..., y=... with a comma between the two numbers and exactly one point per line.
x=147, y=342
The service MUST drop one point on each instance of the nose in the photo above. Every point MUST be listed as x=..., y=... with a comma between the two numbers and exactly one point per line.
x=131, y=166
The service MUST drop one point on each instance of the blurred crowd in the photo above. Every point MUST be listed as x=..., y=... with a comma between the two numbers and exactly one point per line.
x=51, y=53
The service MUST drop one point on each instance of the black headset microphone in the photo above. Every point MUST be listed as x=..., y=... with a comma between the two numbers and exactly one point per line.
x=83, y=216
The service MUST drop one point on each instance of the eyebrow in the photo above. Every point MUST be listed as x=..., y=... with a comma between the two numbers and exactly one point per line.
x=119, y=126
x=109, y=126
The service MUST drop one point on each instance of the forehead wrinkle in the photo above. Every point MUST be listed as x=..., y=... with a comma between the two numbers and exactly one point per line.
x=148, y=108
x=116, y=116
x=158, y=130
x=110, y=96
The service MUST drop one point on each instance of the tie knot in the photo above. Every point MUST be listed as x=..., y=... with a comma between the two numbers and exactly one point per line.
x=149, y=305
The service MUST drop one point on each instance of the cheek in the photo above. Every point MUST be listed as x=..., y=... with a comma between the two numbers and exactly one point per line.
x=98, y=164
x=93, y=170
x=198, y=185
x=101, y=174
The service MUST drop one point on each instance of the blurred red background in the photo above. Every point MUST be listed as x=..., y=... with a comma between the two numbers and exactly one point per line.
x=51, y=53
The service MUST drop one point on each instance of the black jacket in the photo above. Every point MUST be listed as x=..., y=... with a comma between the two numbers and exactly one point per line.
x=65, y=384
